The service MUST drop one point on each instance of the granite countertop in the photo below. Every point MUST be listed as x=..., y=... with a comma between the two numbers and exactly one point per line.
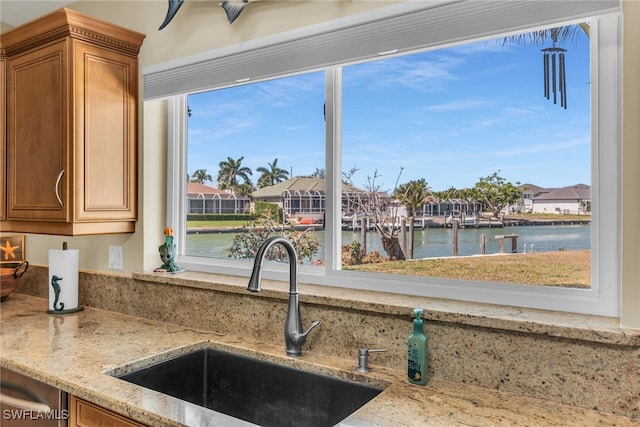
x=74, y=352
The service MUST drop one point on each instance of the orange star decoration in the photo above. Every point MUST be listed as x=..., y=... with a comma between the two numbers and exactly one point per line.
x=9, y=250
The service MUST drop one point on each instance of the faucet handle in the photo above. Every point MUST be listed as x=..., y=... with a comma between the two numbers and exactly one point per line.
x=363, y=358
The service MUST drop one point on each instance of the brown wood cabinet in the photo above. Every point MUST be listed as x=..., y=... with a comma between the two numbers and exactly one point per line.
x=87, y=414
x=3, y=134
x=72, y=133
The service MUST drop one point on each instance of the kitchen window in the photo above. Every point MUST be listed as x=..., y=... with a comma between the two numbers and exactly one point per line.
x=601, y=298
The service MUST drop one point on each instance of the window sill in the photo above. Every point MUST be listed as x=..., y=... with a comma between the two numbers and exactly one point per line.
x=582, y=327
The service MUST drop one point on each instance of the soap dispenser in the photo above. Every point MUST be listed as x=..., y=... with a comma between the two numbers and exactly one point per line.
x=417, y=357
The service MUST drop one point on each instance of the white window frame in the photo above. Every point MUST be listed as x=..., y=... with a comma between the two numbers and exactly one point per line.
x=478, y=20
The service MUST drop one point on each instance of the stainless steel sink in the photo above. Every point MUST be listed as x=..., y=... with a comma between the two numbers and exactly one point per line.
x=257, y=391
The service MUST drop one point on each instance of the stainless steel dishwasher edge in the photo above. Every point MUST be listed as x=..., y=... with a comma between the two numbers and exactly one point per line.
x=28, y=402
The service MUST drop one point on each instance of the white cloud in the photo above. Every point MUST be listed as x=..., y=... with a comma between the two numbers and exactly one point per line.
x=464, y=104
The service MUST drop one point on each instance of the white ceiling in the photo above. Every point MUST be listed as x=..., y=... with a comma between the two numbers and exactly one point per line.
x=16, y=12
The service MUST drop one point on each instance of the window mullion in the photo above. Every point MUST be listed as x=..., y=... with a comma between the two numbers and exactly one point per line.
x=333, y=165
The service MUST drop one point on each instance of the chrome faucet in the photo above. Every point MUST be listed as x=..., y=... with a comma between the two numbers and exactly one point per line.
x=294, y=337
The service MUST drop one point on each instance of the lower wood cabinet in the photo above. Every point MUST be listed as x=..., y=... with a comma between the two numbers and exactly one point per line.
x=87, y=414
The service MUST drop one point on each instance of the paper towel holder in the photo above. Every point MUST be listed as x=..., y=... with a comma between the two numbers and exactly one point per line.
x=56, y=289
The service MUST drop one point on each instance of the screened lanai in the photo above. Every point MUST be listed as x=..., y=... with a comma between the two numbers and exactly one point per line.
x=202, y=199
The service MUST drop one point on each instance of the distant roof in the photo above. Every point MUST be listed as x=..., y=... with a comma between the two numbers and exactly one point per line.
x=574, y=192
x=301, y=184
x=197, y=188
x=200, y=191
x=531, y=188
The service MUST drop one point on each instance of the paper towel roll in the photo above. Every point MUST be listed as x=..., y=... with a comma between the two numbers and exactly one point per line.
x=64, y=265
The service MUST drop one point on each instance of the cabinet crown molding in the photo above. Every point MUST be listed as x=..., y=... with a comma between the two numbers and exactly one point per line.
x=65, y=22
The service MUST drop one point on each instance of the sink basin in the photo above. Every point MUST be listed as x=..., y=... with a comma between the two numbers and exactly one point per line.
x=257, y=391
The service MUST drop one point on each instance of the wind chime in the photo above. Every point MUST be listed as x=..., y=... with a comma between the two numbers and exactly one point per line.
x=557, y=81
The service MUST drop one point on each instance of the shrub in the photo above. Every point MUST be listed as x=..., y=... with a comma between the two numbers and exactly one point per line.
x=245, y=245
x=373, y=257
x=352, y=253
x=263, y=208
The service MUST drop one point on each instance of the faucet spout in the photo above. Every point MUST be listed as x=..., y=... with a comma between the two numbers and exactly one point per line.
x=294, y=335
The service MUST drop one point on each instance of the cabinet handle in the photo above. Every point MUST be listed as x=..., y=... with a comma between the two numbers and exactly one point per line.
x=57, y=185
x=30, y=405
x=24, y=404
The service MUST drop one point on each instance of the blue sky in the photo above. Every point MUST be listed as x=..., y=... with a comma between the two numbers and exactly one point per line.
x=449, y=116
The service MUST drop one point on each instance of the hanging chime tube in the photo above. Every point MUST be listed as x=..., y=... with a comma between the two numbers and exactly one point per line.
x=553, y=78
x=563, y=83
x=545, y=64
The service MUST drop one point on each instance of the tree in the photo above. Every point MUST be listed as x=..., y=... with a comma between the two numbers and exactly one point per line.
x=201, y=176
x=318, y=173
x=448, y=194
x=496, y=193
x=557, y=34
x=382, y=213
x=229, y=173
x=347, y=177
x=271, y=175
x=245, y=245
x=244, y=189
x=413, y=195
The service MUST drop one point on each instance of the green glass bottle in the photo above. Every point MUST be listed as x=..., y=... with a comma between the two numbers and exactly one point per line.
x=417, y=357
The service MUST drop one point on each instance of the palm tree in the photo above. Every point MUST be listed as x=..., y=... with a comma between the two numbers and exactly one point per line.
x=452, y=193
x=201, y=176
x=271, y=175
x=559, y=35
x=413, y=195
x=245, y=189
x=229, y=173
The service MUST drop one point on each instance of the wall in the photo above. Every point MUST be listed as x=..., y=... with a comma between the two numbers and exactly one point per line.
x=201, y=25
x=630, y=166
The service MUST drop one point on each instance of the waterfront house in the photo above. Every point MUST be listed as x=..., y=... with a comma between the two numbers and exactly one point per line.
x=300, y=197
x=202, y=199
x=442, y=207
x=529, y=192
x=575, y=200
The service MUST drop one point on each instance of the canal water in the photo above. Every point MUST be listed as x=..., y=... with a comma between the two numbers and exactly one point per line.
x=433, y=242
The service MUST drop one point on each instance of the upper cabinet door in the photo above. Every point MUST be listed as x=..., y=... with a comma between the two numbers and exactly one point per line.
x=38, y=136
x=105, y=146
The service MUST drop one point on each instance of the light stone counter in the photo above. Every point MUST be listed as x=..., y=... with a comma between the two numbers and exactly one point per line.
x=73, y=352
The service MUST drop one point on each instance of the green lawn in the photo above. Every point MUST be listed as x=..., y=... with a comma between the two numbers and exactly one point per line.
x=563, y=268
x=216, y=224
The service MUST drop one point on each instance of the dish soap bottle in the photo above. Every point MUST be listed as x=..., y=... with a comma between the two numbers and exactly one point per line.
x=417, y=358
